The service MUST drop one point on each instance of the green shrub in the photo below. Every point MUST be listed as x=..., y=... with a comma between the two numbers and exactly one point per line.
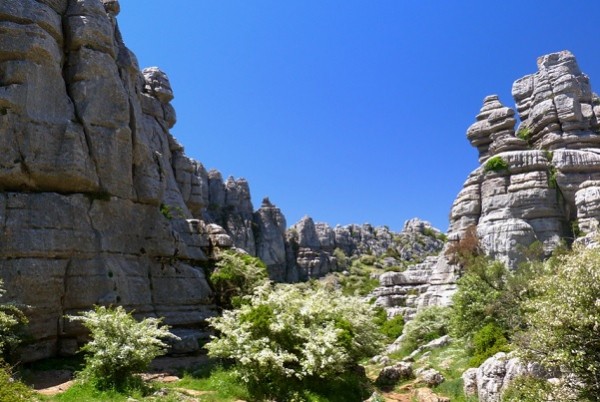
x=488, y=341
x=495, y=164
x=12, y=321
x=429, y=324
x=368, y=259
x=236, y=275
x=528, y=389
x=343, y=262
x=285, y=337
x=12, y=390
x=392, y=328
x=563, y=318
x=120, y=347
x=524, y=133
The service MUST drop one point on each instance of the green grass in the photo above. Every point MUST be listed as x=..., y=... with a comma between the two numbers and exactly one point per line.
x=222, y=383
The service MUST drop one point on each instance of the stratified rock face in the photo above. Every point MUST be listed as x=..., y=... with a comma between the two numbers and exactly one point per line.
x=546, y=177
x=97, y=197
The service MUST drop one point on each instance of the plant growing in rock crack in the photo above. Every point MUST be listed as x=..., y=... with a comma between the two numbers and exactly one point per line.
x=524, y=133
x=495, y=164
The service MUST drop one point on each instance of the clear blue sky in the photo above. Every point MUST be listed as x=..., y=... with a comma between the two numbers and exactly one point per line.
x=348, y=111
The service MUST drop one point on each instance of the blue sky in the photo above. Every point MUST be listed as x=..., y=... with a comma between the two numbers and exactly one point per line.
x=348, y=111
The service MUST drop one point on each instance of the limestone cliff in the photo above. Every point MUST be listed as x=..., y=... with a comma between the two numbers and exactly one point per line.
x=538, y=182
x=97, y=197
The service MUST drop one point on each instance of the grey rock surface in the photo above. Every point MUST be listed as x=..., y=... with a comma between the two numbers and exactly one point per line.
x=549, y=186
x=89, y=173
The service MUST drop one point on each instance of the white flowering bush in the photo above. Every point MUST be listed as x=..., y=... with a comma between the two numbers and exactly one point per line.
x=236, y=275
x=283, y=335
x=11, y=319
x=120, y=346
x=564, y=319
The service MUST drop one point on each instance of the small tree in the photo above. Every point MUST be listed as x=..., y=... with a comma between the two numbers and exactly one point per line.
x=236, y=275
x=284, y=336
x=120, y=347
x=11, y=320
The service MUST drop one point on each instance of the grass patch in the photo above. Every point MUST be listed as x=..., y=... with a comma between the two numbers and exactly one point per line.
x=222, y=382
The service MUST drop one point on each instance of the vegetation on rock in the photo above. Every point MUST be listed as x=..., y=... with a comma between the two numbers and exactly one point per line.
x=495, y=164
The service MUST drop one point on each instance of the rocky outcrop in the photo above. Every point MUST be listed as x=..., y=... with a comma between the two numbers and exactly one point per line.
x=98, y=201
x=315, y=248
x=490, y=380
x=537, y=183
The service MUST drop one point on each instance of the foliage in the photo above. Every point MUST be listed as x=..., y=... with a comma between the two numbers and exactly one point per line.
x=461, y=252
x=12, y=390
x=120, y=346
x=490, y=293
x=236, y=275
x=488, y=341
x=392, y=327
x=563, y=319
x=172, y=211
x=285, y=336
x=223, y=381
x=575, y=230
x=429, y=324
x=552, y=181
x=495, y=164
x=524, y=133
x=528, y=388
x=12, y=321
x=343, y=261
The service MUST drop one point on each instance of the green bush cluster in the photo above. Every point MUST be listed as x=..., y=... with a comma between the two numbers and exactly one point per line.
x=12, y=390
x=488, y=341
x=392, y=327
x=495, y=164
x=429, y=324
x=524, y=133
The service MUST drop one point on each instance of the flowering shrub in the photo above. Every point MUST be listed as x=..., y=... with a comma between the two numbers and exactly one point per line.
x=120, y=346
x=429, y=324
x=236, y=275
x=11, y=318
x=563, y=319
x=13, y=390
x=286, y=334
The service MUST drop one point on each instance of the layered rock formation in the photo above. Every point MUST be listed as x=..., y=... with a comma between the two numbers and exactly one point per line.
x=539, y=182
x=313, y=248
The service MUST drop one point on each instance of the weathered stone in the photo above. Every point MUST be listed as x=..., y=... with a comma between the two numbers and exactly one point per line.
x=391, y=375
